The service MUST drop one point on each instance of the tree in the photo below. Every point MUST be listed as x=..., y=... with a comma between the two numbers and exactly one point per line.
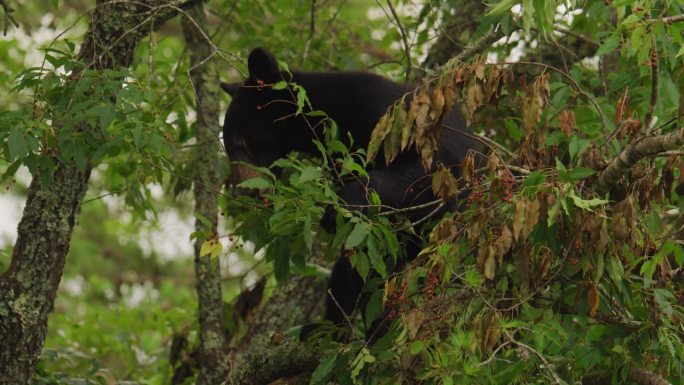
x=28, y=287
x=564, y=266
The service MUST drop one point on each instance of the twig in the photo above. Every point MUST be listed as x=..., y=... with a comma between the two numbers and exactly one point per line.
x=644, y=147
x=672, y=19
x=577, y=35
x=473, y=49
x=346, y=317
x=312, y=25
x=404, y=37
x=654, y=88
x=546, y=365
x=667, y=153
x=8, y=17
x=428, y=216
x=569, y=79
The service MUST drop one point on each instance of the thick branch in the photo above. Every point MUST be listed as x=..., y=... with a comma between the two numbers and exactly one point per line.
x=645, y=147
x=644, y=377
x=206, y=185
x=636, y=375
x=289, y=360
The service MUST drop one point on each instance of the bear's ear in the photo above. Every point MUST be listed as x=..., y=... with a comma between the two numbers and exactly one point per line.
x=230, y=88
x=263, y=65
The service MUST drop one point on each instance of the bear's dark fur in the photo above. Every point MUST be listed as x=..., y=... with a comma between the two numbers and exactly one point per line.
x=261, y=126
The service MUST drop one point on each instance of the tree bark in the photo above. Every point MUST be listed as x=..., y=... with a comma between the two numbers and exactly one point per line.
x=213, y=353
x=29, y=286
x=456, y=34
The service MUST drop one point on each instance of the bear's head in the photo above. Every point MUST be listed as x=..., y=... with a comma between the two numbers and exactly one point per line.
x=261, y=124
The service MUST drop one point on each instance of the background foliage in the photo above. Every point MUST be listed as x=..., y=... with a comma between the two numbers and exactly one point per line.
x=542, y=278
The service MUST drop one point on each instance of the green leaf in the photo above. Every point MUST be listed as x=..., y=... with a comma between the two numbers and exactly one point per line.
x=609, y=45
x=107, y=115
x=577, y=146
x=622, y=3
x=308, y=174
x=376, y=257
x=586, y=204
x=301, y=99
x=323, y=370
x=360, y=262
x=281, y=85
x=553, y=212
x=307, y=232
x=360, y=361
x=17, y=143
x=580, y=173
x=534, y=179
x=374, y=308
x=357, y=235
x=217, y=249
x=281, y=266
x=207, y=247
x=255, y=183
x=502, y=8
x=416, y=347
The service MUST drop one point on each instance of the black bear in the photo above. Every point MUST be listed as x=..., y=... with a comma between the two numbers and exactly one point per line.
x=261, y=125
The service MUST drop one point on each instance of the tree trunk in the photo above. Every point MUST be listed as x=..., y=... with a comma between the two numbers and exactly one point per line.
x=29, y=286
x=213, y=355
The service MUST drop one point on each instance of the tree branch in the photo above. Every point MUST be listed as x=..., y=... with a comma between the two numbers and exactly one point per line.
x=8, y=17
x=213, y=353
x=645, y=147
x=404, y=38
x=475, y=48
x=285, y=361
x=646, y=124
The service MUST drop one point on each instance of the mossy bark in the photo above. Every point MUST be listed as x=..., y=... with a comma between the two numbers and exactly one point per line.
x=29, y=286
x=213, y=360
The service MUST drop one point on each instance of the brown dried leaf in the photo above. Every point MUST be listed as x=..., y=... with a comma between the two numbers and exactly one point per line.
x=620, y=108
x=479, y=70
x=519, y=217
x=474, y=100
x=444, y=184
x=380, y=132
x=490, y=263
x=505, y=242
x=531, y=217
x=544, y=264
x=535, y=100
x=422, y=102
x=567, y=121
x=449, y=89
x=593, y=300
x=493, y=85
x=437, y=105
x=392, y=145
x=446, y=228
x=426, y=133
x=493, y=162
x=414, y=320
x=492, y=332
x=509, y=80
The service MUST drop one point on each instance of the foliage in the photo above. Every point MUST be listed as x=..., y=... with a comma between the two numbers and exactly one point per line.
x=543, y=277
